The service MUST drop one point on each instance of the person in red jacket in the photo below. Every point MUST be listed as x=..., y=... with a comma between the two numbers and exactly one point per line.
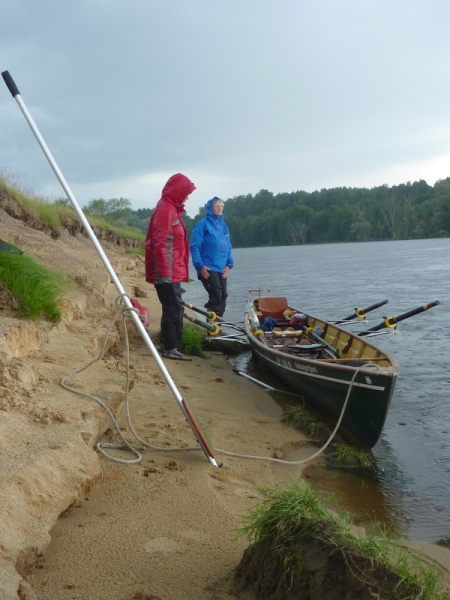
x=167, y=260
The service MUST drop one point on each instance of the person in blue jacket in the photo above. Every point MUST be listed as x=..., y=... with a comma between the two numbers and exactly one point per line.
x=210, y=247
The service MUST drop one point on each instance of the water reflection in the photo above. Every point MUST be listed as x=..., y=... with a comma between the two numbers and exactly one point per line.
x=361, y=494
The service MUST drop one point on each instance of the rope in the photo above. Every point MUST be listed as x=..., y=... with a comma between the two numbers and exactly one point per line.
x=327, y=443
x=124, y=312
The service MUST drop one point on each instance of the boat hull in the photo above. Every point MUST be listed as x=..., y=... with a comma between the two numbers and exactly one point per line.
x=326, y=385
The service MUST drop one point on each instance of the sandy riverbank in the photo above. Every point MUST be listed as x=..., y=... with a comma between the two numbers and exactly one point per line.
x=75, y=525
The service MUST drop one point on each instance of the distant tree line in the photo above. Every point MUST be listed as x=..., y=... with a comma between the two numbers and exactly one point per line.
x=405, y=211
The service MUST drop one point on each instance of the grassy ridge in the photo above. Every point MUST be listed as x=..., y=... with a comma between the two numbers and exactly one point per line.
x=28, y=286
x=54, y=213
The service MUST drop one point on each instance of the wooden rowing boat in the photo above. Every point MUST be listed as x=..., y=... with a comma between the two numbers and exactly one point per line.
x=327, y=365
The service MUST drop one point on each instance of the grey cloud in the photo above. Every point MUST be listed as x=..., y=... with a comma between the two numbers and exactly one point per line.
x=288, y=93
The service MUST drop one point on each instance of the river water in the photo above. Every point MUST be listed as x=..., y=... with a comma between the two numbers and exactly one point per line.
x=411, y=485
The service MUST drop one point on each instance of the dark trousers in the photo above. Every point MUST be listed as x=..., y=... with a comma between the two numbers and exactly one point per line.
x=169, y=295
x=216, y=286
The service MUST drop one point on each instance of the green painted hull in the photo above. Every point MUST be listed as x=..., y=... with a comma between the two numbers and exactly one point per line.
x=326, y=385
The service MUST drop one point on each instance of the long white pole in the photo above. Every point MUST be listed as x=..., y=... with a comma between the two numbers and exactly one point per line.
x=181, y=401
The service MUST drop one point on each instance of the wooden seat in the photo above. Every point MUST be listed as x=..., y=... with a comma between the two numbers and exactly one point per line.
x=271, y=307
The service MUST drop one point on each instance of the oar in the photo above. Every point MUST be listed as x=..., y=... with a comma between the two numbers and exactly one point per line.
x=134, y=316
x=360, y=313
x=268, y=388
x=391, y=322
x=211, y=316
x=212, y=328
x=312, y=334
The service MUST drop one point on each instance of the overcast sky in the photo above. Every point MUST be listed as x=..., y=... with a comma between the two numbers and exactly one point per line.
x=240, y=95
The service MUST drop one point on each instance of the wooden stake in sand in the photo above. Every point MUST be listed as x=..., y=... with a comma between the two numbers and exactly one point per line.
x=181, y=401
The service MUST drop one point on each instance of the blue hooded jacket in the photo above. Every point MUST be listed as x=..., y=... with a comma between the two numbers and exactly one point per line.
x=210, y=242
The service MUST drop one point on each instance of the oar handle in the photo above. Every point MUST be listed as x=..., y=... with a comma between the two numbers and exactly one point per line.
x=392, y=321
x=207, y=326
x=261, y=383
x=416, y=311
x=10, y=83
x=208, y=315
x=361, y=312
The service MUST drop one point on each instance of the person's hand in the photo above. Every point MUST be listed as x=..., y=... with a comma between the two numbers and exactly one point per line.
x=226, y=271
x=205, y=272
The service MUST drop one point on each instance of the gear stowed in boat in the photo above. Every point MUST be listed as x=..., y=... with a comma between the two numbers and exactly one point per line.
x=325, y=363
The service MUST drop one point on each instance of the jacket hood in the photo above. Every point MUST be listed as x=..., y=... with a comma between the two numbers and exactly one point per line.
x=177, y=188
x=209, y=208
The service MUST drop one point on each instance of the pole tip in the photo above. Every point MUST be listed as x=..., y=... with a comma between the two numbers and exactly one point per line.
x=12, y=87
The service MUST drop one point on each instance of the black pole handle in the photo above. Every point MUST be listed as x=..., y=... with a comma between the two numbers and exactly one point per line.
x=392, y=321
x=372, y=307
x=208, y=315
x=361, y=312
x=416, y=311
x=12, y=87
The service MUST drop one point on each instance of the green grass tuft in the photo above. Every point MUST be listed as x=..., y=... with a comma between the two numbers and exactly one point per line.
x=289, y=521
x=445, y=542
x=351, y=456
x=37, y=290
x=138, y=251
x=303, y=420
x=192, y=340
x=339, y=453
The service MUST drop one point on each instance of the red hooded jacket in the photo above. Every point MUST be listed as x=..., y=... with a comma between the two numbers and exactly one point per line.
x=166, y=245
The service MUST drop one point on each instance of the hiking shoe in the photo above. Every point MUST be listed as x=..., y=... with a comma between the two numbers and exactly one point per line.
x=175, y=355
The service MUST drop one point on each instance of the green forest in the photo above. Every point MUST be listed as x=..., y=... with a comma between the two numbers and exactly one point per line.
x=405, y=211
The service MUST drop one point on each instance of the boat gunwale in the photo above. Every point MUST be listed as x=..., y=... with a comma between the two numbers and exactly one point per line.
x=392, y=369
x=373, y=384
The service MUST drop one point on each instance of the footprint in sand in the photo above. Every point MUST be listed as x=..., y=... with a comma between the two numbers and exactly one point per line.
x=167, y=545
x=163, y=544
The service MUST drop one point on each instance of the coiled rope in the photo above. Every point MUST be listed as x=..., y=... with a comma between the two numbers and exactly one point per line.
x=124, y=311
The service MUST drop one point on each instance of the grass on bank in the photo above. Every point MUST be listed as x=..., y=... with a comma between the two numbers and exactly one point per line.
x=291, y=522
x=40, y=209
x=339, y=453
x=122, y=229
x=191, y=342
x=195, y=339
x=35, y=290
x=138, y=251
x=53, y=213
x=445, y=542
